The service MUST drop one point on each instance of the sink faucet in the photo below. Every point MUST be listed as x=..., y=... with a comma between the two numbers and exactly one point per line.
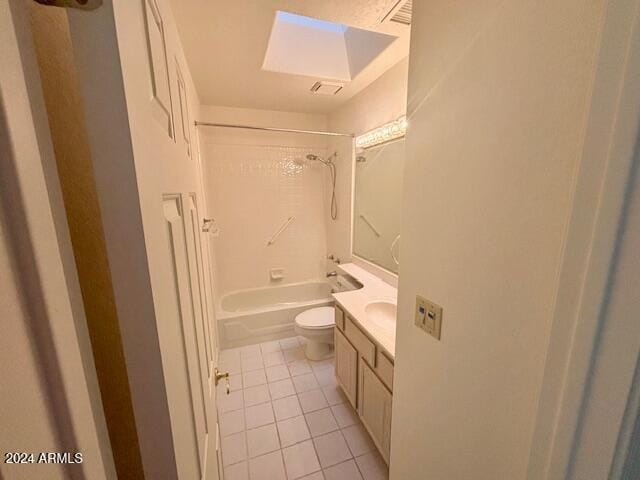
x=332, y=274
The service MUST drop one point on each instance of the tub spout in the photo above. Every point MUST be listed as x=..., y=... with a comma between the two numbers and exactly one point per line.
x=332, y=274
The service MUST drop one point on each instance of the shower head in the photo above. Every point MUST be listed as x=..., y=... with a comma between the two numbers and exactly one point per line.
x=316, y=158
x=311, y=158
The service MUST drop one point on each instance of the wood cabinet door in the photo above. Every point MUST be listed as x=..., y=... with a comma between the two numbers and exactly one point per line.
x=346, y=366
x=375, y=409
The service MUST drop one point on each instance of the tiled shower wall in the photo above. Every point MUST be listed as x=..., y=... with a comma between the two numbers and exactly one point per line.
x=252, y=190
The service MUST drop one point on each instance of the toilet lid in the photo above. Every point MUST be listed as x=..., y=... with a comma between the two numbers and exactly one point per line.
x=320, y=317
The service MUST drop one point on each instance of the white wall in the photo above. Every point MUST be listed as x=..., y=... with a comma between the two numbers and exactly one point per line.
x=50, y=398
x=28, y=411
x=498, y=95
x=339, y=230
x=254, y=184
x=382, y=101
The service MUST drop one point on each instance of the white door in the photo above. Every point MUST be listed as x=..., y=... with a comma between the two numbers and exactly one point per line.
x=191, y=402
x=200, y=295
x=129, y=56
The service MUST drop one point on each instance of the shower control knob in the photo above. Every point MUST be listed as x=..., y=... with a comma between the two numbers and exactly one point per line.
x=335, y=259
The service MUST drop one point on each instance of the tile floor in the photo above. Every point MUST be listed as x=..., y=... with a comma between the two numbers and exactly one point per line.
x=286, y=419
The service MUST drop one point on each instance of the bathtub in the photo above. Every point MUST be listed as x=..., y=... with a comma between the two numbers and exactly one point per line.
x=259, y=314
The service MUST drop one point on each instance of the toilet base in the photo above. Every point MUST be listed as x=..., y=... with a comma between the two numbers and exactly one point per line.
x=318, y=351
x=319, y=342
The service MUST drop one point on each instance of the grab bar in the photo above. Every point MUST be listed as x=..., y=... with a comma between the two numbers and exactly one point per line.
x=393, y=245
x=366, y=220
x=280, y=230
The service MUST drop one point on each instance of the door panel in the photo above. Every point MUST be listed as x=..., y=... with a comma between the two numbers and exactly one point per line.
x=346, y=366
x=202, y=327
x=196, y=297
x=197, y=261
x=375, y=409
x=187, y=400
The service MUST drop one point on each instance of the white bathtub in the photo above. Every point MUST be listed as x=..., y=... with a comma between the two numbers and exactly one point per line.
x=260, y=314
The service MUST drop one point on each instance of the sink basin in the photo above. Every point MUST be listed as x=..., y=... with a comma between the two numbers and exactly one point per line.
x=382, y=314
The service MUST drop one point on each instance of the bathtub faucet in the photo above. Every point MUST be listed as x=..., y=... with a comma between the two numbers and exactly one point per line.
x=332, y=274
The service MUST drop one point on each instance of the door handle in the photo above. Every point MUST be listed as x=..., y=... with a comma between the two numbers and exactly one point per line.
x=217, y=376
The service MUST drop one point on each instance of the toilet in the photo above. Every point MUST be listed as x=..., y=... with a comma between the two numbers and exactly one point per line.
x=316, y=325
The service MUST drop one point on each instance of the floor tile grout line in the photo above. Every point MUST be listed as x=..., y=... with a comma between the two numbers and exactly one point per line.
x=275, y=422
x=284, y=466
x=352, y=459
x=306, y=439
x=313, y=444
x=328, y=406
x=272, y=400
x=341, y=430
x=358, y=467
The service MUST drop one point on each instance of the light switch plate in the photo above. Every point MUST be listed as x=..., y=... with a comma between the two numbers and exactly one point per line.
x=428, y=317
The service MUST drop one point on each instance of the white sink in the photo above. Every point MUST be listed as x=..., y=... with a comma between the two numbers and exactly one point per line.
x=382, y=314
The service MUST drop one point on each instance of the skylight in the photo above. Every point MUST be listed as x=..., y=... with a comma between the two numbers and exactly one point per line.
x=316, y=48
x=310, y=22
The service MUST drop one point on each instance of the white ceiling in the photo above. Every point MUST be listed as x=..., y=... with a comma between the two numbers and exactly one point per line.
x=225, y=44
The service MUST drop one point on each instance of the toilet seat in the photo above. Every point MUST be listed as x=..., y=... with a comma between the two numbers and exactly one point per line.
x=316, y=318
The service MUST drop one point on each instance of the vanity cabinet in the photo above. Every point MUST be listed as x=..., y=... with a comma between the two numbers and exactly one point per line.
x=346, y=362
x=375, y=409
x=365, y=374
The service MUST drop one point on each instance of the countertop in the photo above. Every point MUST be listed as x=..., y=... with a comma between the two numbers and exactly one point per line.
x=354, y=303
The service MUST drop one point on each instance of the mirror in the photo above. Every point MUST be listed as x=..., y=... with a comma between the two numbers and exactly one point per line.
x=377, y=206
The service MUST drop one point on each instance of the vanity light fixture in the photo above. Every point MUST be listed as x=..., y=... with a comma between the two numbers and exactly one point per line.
x=383, y=134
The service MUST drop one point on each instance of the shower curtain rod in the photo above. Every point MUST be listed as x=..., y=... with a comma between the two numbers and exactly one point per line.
x=273, y=129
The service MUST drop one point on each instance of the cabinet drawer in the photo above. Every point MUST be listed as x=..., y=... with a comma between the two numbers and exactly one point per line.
x=339, y=318
x=365, y=347
x=384, y=369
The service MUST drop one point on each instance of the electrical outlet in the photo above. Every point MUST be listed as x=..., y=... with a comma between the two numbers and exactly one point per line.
x=428, y=317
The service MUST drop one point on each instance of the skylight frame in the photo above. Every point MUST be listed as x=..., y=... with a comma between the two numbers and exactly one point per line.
x=311, y=22
x=305, y=46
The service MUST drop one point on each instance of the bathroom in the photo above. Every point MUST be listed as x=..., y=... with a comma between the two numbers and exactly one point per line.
x=303, y=207
x=336, y=240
